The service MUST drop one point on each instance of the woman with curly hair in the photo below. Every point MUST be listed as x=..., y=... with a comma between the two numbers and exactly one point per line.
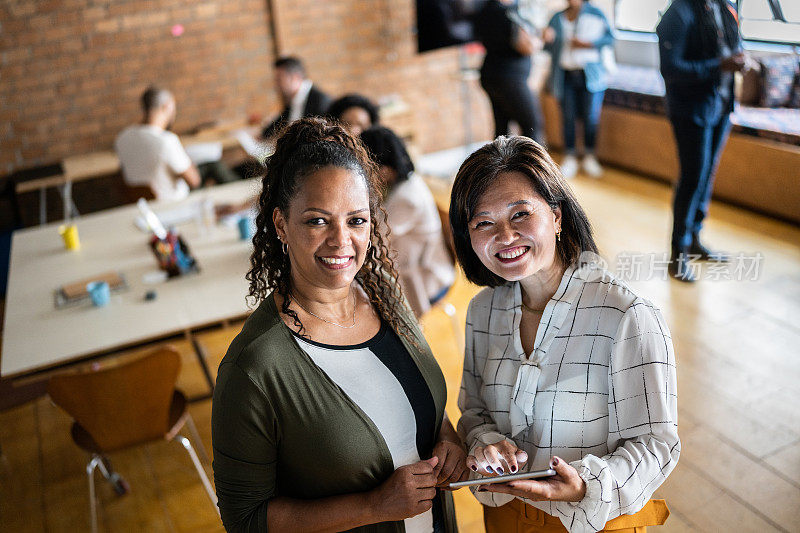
x=328, y=413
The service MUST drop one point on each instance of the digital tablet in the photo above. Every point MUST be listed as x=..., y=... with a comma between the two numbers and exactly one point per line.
x=503, y=479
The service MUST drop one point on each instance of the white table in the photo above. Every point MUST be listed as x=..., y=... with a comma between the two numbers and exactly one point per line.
x=38, y=337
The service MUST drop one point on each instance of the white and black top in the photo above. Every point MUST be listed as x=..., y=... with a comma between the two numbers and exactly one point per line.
x=599, y=391
x=381, y=378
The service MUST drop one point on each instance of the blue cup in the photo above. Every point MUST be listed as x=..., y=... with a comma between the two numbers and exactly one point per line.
x=245, y=228
x=99, y=292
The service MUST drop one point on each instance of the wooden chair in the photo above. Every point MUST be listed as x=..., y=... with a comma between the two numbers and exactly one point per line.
x=125, y=406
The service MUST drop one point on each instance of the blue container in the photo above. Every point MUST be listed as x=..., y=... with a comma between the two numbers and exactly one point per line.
x=99, y=292
x=245, y=228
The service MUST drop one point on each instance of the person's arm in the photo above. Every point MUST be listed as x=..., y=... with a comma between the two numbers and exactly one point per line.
x=179, y=162
x=408, y=492
x=642, y=413
x=451, y=455
x=476, y=427
x=549, y=34
x=673, y=36
x=191, y=176
x=524, y=43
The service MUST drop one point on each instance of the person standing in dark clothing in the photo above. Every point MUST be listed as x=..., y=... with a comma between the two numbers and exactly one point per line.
x=505, y=70
x=700, y=49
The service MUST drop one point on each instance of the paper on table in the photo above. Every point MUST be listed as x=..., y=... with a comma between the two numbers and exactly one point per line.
x=201, y=153
x=173, y=217
x=250, y=145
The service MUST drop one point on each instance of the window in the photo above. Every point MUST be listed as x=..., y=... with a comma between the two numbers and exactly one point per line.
x=639, y=15
x=755, y=18
x=756, y=21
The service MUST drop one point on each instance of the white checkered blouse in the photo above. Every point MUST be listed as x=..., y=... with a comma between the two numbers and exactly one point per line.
x=599, y=391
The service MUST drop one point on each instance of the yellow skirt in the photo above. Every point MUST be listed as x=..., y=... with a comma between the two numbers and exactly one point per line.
x=519, y=517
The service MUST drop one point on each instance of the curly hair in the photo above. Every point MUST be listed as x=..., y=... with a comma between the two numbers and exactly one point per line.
x=481, y=169
x=305, y=147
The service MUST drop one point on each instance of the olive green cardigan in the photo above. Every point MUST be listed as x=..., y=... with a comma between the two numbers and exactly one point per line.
x=281, y=427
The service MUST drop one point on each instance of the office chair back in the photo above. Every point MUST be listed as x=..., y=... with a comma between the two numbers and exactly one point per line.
x=124, y=405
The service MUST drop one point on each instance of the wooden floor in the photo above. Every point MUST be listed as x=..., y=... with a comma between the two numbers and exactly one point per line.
x=738, y=350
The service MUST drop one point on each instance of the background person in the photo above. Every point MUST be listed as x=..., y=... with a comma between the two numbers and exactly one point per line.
x=574, y=38
x=356, y=112
x=153, y=156
x=424, y=266
x=700, y=49
x=565, y=366
x=300, y=97
x=328, y=413
x=506, y=68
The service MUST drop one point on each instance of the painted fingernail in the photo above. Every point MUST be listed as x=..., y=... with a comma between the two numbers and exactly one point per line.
x=474, y=468
x=513, y=469
x=500, y=470
x=489, y=469
x=554, y=462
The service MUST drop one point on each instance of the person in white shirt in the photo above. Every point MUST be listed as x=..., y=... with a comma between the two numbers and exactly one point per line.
x=300, y=97
x=151, y=155
x=578, y=77
x=565, y=367
x=424, y=265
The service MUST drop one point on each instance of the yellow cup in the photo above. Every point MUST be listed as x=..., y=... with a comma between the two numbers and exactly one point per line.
x=70, y=235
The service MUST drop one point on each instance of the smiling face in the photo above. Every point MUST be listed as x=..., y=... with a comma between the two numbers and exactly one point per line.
x=327, y=229
x=356, y=119
x=513, y=231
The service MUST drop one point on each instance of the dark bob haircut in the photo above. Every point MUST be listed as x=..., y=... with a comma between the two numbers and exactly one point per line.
x=387, y=149
x=482, y=169
x=339, y=106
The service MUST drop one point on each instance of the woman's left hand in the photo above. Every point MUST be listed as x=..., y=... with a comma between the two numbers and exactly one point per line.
x=565, y=486
x=452, y=464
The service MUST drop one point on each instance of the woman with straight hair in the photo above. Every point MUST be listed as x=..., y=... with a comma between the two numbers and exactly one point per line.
x=328, y=413
x=424, y=265
x=565, y=366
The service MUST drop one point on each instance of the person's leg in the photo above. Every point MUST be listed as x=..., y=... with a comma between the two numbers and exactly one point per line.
x=719, y=137
x=594, y=105
x=497, y=98
x=568, y=113
x=694, y=153
x=524, y=109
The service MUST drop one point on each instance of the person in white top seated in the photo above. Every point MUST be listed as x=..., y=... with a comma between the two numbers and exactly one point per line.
x=424, y=265
x=565, y=366
x=153, y=156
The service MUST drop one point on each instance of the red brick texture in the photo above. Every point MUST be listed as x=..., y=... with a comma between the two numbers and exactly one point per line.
x=72, y=71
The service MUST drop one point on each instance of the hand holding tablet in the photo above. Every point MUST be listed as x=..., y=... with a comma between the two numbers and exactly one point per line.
x=503, y=479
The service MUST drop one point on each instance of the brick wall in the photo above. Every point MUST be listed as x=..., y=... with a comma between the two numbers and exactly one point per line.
x=71, y=71
x=368, y=46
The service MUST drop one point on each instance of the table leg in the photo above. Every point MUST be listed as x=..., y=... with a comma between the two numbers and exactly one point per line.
x=200, y=351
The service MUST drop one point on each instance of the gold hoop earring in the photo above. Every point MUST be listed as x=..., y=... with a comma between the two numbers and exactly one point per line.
x=558, y=235
x=285, y=248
